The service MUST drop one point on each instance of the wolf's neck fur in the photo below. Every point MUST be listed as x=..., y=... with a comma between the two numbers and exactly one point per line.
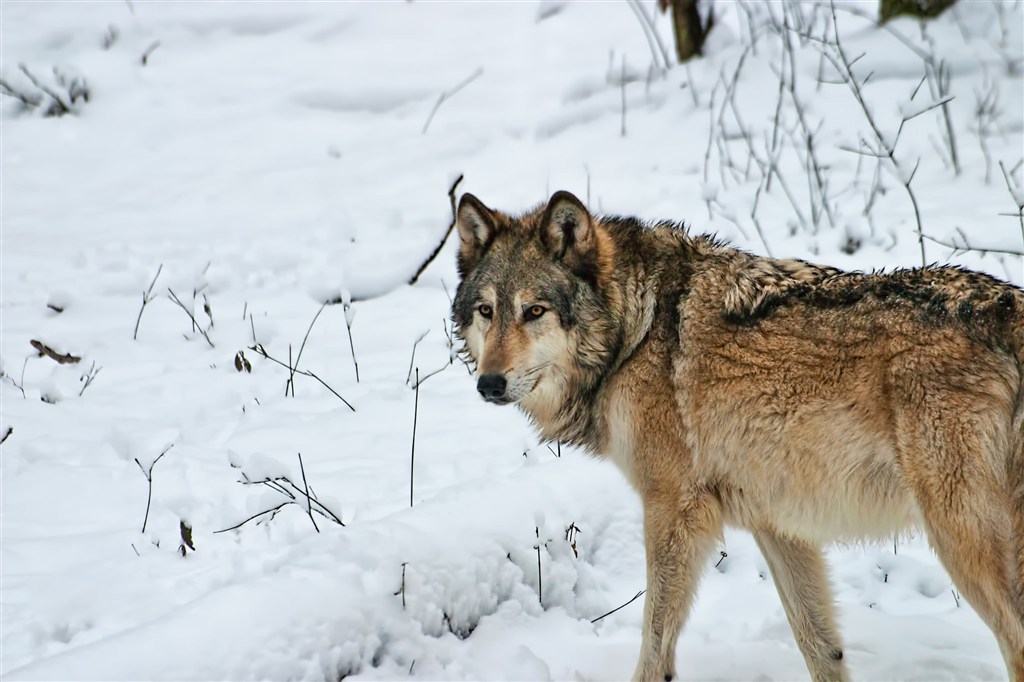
x=567, y=415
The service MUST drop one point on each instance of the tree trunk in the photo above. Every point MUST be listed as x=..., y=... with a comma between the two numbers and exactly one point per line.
x=686, y=24
x=925, y=9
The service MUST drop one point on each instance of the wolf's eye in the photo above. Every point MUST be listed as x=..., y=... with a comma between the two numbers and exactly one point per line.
x=533, y=312
x=485, y=311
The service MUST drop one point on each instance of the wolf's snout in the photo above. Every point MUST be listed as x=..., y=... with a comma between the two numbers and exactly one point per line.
x=492, y=387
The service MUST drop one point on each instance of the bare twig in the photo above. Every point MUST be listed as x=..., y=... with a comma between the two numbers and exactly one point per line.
x=440, y=369
x=195, y=324
x=110, y=37
x=291, y=380
x=817, y=184
x=412, y=455
x=272, y=510
x=540, y=577
x=941, y=77
x=651, y=34
x=449, y=93
x=707, y=190
x=842, y=65
x=146, y=298
x=19, y=386
x=412, y=358
x=290, y=384
x=437, y=249
x=967, y=246
x=986, y=110
x=258, y=348
x=309, y=501
x=349, y=316
x=401, y=590
x=7, y=434
x=292, y=496
x=88, y=377
x=1017, y=193
x=27, y=100
x=149, y=50
x=635, y=597
x=623, y=86
x=63, y=107
x=148, y=473
x=690, y=86
x=61, y=359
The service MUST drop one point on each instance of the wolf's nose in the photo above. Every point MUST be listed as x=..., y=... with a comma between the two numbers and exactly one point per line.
x=491, y=386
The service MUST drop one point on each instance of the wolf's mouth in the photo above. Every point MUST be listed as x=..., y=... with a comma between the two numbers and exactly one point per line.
x=497, y=390
x=514, y=395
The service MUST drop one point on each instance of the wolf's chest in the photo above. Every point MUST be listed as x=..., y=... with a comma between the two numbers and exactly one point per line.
x=620, y=440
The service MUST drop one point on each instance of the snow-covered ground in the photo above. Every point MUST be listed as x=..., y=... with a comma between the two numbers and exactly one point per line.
x=269, y=157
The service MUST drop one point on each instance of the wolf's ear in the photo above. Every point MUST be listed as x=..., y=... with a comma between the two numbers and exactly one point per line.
x=476, y=229
x=568, y=232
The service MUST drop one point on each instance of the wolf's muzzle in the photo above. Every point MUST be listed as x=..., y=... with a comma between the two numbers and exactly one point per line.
x=492, y=388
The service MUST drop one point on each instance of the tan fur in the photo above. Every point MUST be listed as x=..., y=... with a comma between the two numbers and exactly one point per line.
x=803, y=403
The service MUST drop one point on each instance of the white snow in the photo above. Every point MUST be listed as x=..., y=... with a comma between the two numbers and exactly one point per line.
x=271, y=158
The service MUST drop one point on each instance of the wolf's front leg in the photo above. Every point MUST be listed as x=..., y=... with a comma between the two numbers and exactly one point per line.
x=680, y=528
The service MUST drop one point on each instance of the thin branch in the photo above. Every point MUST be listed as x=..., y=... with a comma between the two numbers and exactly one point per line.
x=346, y=307
x=942, y=80
x=305, y=485
x=149, y=50
x=146, y=298
x=651, y=34
x=195, y=324
x=272, y=510
x=302, y=346
x=88, y=378
x=1016, y=192
x=276, y=484
x=7, y=434
x=966, y=246
x=540, y=575
x=149, y=479
x=412, y=455
x=427, y=376
x=290, y=384
x=437, y=249
x=258, y=348
x=622, y=83
x=27, y=100
x=412, y=358
x=21, y=386
x=401, y=590
x=449, y=93
x=64, y=108
x=842, y=67
x=635, y=597
x=911, y=116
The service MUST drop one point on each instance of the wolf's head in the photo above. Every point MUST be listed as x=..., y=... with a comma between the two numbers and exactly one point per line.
x=535, y=303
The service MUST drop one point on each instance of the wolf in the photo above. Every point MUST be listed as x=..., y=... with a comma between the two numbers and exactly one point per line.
x=803, y=403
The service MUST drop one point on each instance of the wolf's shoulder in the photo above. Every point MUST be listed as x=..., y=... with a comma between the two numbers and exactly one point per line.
x=755, y=286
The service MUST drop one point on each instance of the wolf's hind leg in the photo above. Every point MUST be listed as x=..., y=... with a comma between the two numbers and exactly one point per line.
x=801, y=577
x=967, y=527
x=1017, y=574
x=679, y=534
